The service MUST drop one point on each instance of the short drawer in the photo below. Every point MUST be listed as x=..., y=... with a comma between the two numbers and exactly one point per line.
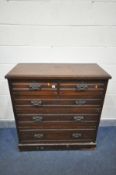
x=53, y=135
x=34, y=87
x=82, y=85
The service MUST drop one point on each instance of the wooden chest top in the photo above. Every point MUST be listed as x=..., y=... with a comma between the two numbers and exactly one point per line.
x=57, y=70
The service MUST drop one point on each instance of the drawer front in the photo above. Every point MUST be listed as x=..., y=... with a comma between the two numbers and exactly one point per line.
x=55, y=135
x=40, y=118
x=57, y=121
x=58, y=102
x=34, y=87
x=82, y=87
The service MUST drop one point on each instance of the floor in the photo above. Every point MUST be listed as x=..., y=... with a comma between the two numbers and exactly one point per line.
x=101, y=161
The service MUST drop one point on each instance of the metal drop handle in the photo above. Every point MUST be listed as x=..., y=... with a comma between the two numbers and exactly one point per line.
x=37, y=118
x=81, y=87
x=78, y=118
x=38, y=135
x=76, y=135
x=80, y=102
x=36, y=102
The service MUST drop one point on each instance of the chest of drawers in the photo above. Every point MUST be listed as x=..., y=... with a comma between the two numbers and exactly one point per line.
x=57, y=106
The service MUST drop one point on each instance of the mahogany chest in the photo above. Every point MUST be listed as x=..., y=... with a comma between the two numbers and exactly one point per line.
x=57, y=106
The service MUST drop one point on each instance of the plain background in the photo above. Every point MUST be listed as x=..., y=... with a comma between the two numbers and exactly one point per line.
x=81, y=31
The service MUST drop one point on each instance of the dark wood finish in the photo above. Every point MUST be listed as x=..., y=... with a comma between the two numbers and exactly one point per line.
x=57, y=106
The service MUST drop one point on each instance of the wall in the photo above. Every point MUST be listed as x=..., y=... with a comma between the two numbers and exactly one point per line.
x=58, y=31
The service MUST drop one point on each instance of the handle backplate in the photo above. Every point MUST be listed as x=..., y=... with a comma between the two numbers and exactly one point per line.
x=34, y=86
x=82, y=87
x=80, y=102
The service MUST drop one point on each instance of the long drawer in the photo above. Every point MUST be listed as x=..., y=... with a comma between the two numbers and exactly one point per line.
x=58, y=117
x=58, y=102
x=57, y=135
x=57, y=121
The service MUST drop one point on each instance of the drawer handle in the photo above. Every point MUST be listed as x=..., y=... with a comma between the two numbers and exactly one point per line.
x=36, y=102
x=38, y=135
x=35, y=86
x=37, y=118
x=78, y=118
x=80, y=102
x=76, y=135
x=81, y=87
